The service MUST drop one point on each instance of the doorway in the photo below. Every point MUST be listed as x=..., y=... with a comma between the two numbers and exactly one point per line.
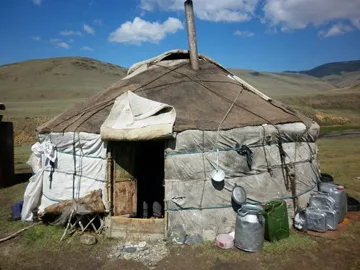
x=149, y=171
x=138, y=179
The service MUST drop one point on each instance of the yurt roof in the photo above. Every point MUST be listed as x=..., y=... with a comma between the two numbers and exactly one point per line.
x=204, y=99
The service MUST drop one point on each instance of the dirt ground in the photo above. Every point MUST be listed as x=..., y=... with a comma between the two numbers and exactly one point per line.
x=341, y=253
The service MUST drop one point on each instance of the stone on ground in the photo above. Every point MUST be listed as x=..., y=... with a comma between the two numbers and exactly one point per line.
x=87, y=239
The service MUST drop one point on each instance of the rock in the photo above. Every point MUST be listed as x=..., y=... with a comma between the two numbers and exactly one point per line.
x=177, y=235
x=194, y=239
x=87, y=239
x=141, y=246
x=128, y=256
x=130, y=249
x=209, y=236
x=117, y=253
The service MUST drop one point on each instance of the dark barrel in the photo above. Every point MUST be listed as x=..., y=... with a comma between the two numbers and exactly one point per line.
x=6, y=154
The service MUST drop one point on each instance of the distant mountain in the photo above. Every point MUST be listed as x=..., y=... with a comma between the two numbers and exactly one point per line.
x=336, y=68
x=340, y=74
x=56, y=78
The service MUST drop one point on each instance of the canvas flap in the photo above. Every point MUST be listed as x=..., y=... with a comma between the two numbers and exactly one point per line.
x=134, y=118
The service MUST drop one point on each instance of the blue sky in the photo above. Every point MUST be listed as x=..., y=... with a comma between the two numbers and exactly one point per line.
x=267, y=35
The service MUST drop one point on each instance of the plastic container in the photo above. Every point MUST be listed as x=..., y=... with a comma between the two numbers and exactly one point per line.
x=332, y=219
x=300, y=220
x=326, y=178
x=315, y=220
x=249, y=228
x=224, y=241
x=322, y=201
x=339, y=195
x=276, y=221
x=16, y=210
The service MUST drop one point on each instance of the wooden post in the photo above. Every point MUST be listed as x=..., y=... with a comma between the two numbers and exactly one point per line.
x=165, y=203
x=109, y=180
x=190, y=23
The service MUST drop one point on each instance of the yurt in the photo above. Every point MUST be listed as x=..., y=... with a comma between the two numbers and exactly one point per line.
x=152, y=140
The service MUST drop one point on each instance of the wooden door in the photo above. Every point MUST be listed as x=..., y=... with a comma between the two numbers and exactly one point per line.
x=124, y=181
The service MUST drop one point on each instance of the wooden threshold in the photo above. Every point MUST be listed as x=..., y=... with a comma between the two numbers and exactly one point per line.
x=135, y=228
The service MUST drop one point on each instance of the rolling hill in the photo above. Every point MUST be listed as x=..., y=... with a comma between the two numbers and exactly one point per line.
x=56, y=78
x=279, y=84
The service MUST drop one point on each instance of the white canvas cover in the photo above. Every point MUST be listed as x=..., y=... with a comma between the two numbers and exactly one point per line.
x=78, y=167
x=134, y=118
x=197, y=203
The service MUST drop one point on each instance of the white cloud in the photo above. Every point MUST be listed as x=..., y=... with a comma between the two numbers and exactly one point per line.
x=86, y=48
x=36, y=38
x=71, y=40
x=336, y=30
x=59, y=43
x=70, y=33
x=88, y=29
x=298, y=14
x=63, y=45
x=97, y=22
x=139, y=31
x=54, y=40
x=209, y=10
x=243, y=33
x=279, y=15
x=37, y=2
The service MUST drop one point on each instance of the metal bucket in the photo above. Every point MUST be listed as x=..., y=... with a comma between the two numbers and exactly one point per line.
x=249, y=228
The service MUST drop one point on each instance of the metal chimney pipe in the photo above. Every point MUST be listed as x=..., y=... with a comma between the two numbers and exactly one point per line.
x=190, y=25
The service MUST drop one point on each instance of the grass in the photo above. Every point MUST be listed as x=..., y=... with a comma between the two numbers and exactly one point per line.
x=296, y=241
x=22, y=155
x=341, y=158
x=9, y=196
x=56, y=79
x=328, y=129
x=28, y=110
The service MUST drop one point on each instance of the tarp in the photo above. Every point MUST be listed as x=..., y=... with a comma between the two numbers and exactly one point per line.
x=65, y=166
x=198, y=203
x=134, y=118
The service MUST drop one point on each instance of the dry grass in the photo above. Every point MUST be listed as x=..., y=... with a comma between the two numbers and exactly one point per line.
x=330, y=119
x=24, y=130
x=56, y=78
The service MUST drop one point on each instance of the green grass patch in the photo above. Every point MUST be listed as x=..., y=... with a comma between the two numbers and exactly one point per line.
x=43, y=234
x=9, y=196
x=340, y=157
x=21, y=156
x=294, y=241
x=328, y=129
